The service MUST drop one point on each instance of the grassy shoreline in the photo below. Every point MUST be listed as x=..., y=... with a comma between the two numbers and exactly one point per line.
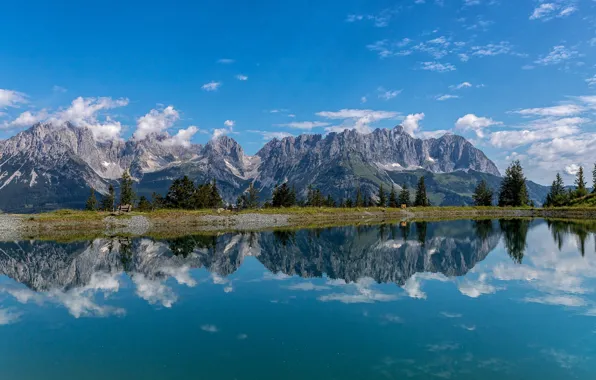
x=197, y=220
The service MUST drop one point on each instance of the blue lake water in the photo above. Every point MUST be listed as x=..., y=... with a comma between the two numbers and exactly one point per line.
x=509, y=299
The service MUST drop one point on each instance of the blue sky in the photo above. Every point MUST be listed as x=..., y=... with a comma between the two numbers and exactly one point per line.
x=518, y=78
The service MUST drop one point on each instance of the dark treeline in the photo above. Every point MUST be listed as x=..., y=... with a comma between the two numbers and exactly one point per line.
x=186, y=194
x=560, y=196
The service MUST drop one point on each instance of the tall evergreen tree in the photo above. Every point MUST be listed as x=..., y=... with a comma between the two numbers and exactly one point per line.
x=144, y=204
x=393, y=198
x=359, y=198
x=107, y=203
x=404, y=196
x=127, y=194
x=514, y=192
x=483, y=195
x=215, y=200
x=421, y=199
x=182, y=194
x=283, y=196
x=557, y=195
x=594, y=179
x=250, y=198
x=91, y=204
x=382, y=197
x=157, y=201
x=580, y=184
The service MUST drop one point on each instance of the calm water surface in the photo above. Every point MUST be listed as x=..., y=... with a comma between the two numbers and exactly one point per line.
x=509, y=299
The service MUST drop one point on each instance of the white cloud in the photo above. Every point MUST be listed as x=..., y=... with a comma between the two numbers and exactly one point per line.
x=503, y=47
x=591, y=81
x=307, y=125
x=450, y=315
x=210, y=328
x=558, y=300
x=225, y=61
x=229, y=123
x=8, y=316
x=561, y=110
x=155, y=122
x=538, y=130
x=433, y=134
x=270, y=135
x=446, y=97
x=557, y=55
x=411, y=123
x=182, y=137
x=363, y=293
x=461, y=85
x=543, y=10
x=27, y=119
x=475, y=289
x=241, y=77
x=388, y=94
x=10, y=98
x=572, y=169
x=556, y=8
x=308, y=286
x=154, y=291
x=437, y=67
x=363, y=99
x=83, y=112
x=475, y=123
x=211, y=86
x=358, y=119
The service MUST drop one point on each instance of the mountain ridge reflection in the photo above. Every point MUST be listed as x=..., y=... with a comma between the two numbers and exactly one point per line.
x=384, y=253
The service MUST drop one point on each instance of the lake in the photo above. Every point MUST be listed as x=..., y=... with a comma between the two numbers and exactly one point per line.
x=488, y=299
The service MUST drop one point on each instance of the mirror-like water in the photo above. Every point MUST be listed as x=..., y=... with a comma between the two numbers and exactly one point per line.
x=457, y=300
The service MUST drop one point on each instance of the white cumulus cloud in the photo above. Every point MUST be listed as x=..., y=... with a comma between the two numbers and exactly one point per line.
x=475, y=123
x=211, y=86
x=155, y=121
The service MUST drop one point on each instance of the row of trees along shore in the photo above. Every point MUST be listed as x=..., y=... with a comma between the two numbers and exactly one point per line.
x=561, y=196
x=185, y=194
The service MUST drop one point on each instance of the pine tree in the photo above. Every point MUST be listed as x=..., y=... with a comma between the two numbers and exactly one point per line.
x=127, y=194
x=421, y=199
x=283, y=196
x=107, y=203
x=557, y=195
x=580, y=184
x=382, y=197
x=483, y=195
x=215, y=200
x=393, y=198
x=404, y=196
x=359, y=199
x=514, y=192
x=144, y=204
x=91, y=204
x=594, y=179
x=182, y=194
x=157, y=201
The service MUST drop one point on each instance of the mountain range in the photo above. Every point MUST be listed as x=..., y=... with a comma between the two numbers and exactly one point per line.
x=53, y=166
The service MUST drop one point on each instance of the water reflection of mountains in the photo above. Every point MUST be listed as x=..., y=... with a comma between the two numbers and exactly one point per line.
x=386, y=253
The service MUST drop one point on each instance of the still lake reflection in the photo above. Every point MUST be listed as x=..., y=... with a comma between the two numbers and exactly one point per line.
x=460, y=299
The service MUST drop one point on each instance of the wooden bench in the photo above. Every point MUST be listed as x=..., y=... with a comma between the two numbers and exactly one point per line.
x=125, y=208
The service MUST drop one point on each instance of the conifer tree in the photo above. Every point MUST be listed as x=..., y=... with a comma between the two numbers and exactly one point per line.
x=359, y=198
x=382, y=197
x=215, y=200
x=157, y=201
x=483, y=195
x=91, y=204
x=393, y=198
x=127, y=194
x=580, y=184
x=144, y=204
x=421, y=199
x=557, y=195
x=594, y=179
x=107, y=203
x=404, y=196
x=514, y=192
